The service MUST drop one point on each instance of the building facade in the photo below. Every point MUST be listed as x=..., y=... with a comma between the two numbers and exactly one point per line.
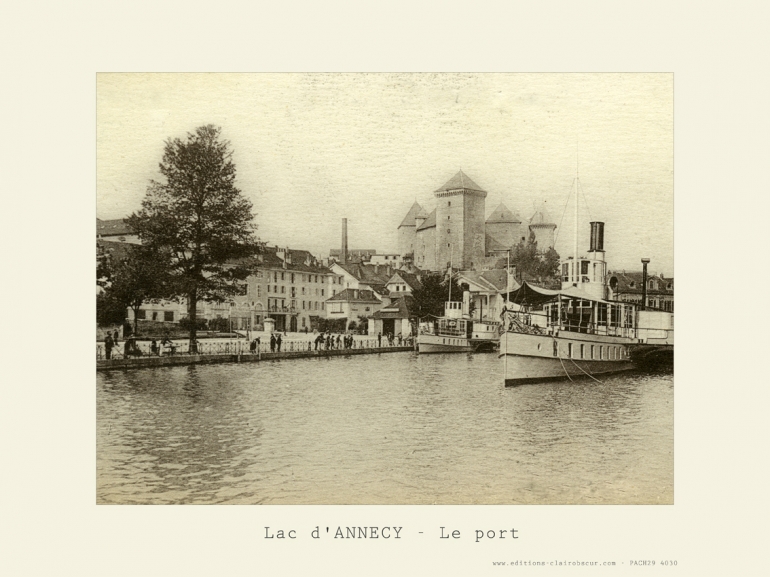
x=628, y=287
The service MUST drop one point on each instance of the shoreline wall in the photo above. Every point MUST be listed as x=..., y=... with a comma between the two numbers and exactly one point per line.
x=167, y=361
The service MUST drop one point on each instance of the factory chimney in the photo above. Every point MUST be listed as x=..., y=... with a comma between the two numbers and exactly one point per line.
x=344, y=252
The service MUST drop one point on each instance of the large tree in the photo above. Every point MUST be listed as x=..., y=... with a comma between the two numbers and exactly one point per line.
x=199, y=218
x=430, y=297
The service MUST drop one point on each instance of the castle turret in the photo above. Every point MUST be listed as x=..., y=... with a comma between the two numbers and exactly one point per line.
x=414, y=218
x=542, y=229
x=504, y=226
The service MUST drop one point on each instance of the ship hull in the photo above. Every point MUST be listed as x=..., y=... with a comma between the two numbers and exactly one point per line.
x=440, y=344
x=530, y=358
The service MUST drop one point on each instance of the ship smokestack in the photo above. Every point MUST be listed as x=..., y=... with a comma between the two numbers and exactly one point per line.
x=344, y=252
x=597, y=237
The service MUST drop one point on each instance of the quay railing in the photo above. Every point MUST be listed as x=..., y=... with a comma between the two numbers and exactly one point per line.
x=242, y=347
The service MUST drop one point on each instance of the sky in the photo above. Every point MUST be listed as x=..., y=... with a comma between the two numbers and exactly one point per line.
x=311, y=149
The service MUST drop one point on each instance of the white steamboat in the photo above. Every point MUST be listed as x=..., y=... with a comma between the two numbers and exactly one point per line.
x=457, y=332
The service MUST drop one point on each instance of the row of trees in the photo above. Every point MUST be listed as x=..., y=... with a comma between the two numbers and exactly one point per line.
x=194, y=224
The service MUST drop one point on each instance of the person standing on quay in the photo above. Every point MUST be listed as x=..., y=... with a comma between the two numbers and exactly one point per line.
x=115, y=337
x=272, y=343
x=108, y=344
x=253, y=346
x=339, y=341
x=379, y=339
x=278, y=342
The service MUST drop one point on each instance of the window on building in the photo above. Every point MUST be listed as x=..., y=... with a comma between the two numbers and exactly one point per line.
x=268, y=288
x=652, y=285
x=275, y=288
x=168, y=316
x=316, y=305
x=141, y=315
x=283, y=276
x=582, y=351
x=569, y=350
x=303, y=322
x=322, y=305
x=449, y=203
x=292, y=277
x=322, y=292
x=154, y=315
x=259, y=291
x=283, y=289
x=275, y=276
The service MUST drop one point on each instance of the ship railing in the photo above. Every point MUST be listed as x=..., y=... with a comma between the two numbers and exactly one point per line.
x=532, y=322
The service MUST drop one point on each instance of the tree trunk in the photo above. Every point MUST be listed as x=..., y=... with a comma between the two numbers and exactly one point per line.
x=136, y=319
x=192, y=304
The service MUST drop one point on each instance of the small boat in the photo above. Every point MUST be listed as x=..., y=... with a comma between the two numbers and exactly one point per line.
x=456, y=332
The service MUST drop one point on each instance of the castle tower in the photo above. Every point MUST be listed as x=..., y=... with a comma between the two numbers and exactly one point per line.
x=415, y=217
x=504, y=226
x=460, y=214
x=542, y=229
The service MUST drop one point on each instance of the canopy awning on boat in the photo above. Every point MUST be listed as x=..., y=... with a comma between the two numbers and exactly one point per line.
x=528, y=294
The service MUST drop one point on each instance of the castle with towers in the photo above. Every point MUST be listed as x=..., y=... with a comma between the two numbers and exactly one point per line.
x=456, y=230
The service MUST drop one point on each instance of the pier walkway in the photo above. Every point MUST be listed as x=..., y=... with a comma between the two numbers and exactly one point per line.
x=238, y=352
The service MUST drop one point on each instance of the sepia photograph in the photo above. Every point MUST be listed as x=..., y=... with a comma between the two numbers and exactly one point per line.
x=385, y=288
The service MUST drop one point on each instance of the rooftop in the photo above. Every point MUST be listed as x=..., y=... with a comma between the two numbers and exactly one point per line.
x=415, y=212
x=354, y=295
x=460, y=181
x=503, y=214
x=114, y=227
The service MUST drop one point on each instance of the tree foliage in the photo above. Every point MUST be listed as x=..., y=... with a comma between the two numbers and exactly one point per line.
x=430, y=297
x=130, y=275
x=534, y=265
x=199, y=218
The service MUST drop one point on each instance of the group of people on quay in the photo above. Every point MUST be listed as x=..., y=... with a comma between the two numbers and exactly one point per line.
x=322, y=341
x=131, y=348
x=327, y=341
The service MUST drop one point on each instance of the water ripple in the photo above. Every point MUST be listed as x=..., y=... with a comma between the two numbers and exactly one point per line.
x=383, y=429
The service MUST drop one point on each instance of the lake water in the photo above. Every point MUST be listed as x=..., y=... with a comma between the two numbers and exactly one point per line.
x=394, y=428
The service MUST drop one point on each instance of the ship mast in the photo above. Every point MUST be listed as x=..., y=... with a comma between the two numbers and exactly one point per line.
x=577, y=183
x=451, y=249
